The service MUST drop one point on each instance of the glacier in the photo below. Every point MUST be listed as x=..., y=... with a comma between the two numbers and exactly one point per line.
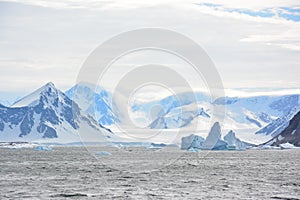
x=261, y=117
x=191, y=142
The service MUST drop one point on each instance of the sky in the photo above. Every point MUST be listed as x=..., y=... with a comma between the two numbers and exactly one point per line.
x=254, y=45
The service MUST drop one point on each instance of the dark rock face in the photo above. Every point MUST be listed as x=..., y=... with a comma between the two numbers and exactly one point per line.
x=289, y=135
x=47, y=131
x=22, y=117
x=27, y=124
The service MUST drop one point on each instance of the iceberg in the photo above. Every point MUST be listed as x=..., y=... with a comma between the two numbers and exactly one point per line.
x=220, y=145
x=234, y=143
x=43, y=148
x=191, y=142
x=213, y=140
x=157, y=146
x=16, y=145
x=103, y=153
x=193, y=150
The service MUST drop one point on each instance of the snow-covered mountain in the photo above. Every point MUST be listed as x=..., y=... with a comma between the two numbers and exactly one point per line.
x=178, y=117
x=264, y=115
x=291, y=134
x=260, y=114
x=279, y=124
x=175, y=111
x=259, y=111
x=45, y=114
x=97, y=103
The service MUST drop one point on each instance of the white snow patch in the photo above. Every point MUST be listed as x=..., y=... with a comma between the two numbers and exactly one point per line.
x=288, y=146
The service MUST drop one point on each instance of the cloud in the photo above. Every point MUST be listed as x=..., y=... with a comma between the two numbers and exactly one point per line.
x=286, y=7
x=251, y=44
x=288, y=39
x=249, y=92
x=253, y=4
x=264, y=14
x=92, y=4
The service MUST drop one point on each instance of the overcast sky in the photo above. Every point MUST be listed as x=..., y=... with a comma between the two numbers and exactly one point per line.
x=255, y=45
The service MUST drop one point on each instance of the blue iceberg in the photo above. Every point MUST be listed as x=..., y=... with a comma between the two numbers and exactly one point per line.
x=42, y=148
x=103, y=153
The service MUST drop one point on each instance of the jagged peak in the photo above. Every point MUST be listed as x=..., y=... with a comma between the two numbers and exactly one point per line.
x=231, y=132
x=34, y=97
x=50, y=84
x=230, y=135
x=47, y=86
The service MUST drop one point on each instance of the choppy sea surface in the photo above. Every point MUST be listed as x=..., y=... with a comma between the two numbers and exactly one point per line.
x=139, y=173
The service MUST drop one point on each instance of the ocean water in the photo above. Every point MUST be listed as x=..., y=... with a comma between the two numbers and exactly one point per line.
x=138, y=173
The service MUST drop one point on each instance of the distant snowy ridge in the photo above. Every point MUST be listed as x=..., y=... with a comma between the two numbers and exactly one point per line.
x=266, y=115
x=270, y=114
x=176, y=111
x=177, y=118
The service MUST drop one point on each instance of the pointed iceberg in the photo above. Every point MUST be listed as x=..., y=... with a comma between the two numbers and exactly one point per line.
x=213, y=140
x=234, y=142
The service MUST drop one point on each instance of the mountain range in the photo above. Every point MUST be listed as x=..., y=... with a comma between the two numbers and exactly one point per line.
x=262, y=115
x=50, y=113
